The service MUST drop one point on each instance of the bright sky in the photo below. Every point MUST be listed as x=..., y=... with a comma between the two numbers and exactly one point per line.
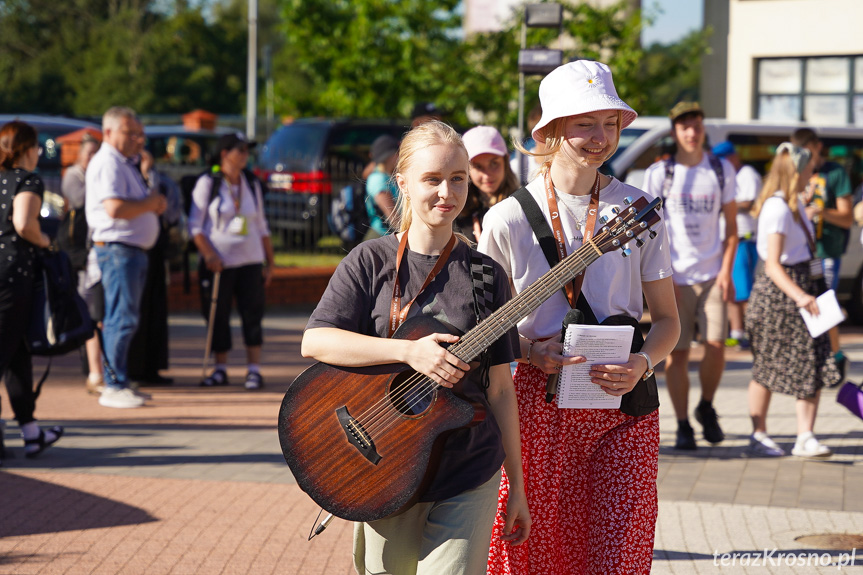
x=678, y=18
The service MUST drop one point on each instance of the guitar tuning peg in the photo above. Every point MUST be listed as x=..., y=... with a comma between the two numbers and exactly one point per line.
x=630, y=233
x=651, y=233
x=627, y=200
x=615, y=210
x=639, y=242
x=603, y=220
x=626, y=252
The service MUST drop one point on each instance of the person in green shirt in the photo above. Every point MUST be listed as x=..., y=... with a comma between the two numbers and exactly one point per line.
x=830, y=208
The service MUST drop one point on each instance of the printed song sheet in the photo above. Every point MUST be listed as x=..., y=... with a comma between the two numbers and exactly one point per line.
x=599, y=344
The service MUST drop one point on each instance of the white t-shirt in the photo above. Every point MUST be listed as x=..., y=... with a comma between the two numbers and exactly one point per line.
x=112, y=175
x=776, y=218
x=235, y=249
x=693, y=208
x=612, y=284
x=748, y=182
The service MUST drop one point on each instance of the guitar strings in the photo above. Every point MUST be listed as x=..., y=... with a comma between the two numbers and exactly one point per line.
x=380, y=415
x=421, y=385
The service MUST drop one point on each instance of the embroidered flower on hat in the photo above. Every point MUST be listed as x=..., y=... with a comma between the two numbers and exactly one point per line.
x=594, y=81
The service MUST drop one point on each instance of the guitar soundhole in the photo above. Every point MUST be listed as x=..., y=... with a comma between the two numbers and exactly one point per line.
x=412, y=394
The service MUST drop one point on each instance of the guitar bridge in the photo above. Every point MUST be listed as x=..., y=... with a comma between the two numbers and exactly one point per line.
x=357, y=436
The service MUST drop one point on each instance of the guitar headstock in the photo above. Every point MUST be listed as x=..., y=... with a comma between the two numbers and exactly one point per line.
x=627, y=225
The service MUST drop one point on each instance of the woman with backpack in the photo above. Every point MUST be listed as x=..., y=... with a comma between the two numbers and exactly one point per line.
x=20, y=237
x=229, y=228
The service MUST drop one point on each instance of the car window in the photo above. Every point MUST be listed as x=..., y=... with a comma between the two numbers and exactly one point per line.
x=352, y=143
x=296, y=147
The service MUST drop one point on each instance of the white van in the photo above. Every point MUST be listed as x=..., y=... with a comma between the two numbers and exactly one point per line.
x=648, y=138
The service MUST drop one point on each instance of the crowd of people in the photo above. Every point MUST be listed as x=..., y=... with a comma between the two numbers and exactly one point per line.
x=553, y=489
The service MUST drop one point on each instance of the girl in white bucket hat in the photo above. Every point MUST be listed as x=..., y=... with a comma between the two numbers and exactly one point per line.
x=590, y=473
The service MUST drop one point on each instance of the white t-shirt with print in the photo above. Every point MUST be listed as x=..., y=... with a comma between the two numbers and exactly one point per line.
x=612, y=284
x=693, y=207
x=776, y=218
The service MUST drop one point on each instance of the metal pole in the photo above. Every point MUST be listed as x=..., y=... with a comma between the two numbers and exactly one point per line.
x=214, y=297
x=252, y=77
x=521, y=86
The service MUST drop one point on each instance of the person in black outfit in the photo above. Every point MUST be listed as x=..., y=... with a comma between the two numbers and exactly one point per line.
x=20, y=236
x=148, y=352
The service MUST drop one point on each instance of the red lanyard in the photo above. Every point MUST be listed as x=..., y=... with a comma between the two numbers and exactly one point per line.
x=573, y=289
x=397, y=313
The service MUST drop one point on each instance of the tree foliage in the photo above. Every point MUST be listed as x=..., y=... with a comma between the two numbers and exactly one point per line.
x=357, y=58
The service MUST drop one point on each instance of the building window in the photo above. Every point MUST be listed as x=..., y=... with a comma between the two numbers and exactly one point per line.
x=821, y=91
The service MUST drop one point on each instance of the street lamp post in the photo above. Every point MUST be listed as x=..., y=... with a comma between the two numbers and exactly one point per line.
x=537, y=60
x=252, y=72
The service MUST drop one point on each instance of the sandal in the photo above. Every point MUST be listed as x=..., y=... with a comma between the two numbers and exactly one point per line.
x=218, y=377
x=41, y=442
x=254, y=380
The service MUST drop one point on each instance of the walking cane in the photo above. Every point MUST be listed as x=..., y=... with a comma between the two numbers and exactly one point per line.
x=214, y=297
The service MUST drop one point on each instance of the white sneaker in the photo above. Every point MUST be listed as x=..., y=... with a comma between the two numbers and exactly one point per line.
x=120, y=398
x=808, y=446
x=761, y=444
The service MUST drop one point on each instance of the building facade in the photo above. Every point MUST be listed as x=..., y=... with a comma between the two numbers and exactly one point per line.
x=785, y=60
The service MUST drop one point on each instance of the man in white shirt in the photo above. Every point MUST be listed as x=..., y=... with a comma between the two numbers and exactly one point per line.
x=123, y=216
x=748, y=186
x=697, y=190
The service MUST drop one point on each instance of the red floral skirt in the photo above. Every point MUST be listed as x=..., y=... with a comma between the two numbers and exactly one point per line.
x=590, y=477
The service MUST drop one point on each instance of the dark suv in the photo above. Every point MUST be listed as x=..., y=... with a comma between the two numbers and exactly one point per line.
x=304, y=162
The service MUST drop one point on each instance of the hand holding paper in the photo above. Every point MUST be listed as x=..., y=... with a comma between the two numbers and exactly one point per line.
x=830, y=314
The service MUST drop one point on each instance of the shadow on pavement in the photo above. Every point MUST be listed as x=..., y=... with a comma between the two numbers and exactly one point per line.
x=31, y=507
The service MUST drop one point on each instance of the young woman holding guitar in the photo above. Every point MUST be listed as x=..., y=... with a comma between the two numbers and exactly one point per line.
x=590, y=473
x=426, y=270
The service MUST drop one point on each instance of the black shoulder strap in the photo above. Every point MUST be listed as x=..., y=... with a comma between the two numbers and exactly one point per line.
x=543, y=234
x=669, y=177
x=716, y=164
x=538, y=224
x=251, y=178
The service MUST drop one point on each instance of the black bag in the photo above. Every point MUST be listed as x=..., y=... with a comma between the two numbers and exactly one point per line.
x=72, y=237
x=59, y=320
x=349, y=218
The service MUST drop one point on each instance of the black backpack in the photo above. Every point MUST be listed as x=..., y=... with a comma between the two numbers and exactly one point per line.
x=348, y=217
x=59, y=320
x=72, y=237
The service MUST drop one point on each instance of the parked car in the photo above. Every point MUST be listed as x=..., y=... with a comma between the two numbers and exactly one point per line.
x=649, y=138
x=49, y=167
x=304, y=162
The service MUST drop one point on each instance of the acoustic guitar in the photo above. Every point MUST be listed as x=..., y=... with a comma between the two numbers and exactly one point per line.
x=363, y=442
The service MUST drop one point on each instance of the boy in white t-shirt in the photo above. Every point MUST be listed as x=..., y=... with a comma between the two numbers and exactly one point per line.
x=697, y=189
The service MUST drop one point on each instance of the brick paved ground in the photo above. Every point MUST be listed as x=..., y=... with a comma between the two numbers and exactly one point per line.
x=195, y=482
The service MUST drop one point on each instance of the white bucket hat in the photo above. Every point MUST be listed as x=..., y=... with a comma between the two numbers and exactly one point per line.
x=579, y=87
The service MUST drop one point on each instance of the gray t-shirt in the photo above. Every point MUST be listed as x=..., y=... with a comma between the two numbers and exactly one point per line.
x=358, y=299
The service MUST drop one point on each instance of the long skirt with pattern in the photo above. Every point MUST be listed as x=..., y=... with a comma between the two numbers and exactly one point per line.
x=786, y=359
x=590, y=477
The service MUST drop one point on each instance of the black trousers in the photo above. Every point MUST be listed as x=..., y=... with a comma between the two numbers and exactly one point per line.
x=16, y=364
x=148, y=352
x=246, y=283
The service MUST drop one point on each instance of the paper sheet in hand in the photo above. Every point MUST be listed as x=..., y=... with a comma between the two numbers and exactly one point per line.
x=829, y=314
x=599, y=344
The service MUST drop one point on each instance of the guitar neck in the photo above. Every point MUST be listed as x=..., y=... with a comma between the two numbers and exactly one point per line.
x=523, y=304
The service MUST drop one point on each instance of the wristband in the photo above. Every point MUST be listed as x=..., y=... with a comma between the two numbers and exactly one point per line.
x=530, y=349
